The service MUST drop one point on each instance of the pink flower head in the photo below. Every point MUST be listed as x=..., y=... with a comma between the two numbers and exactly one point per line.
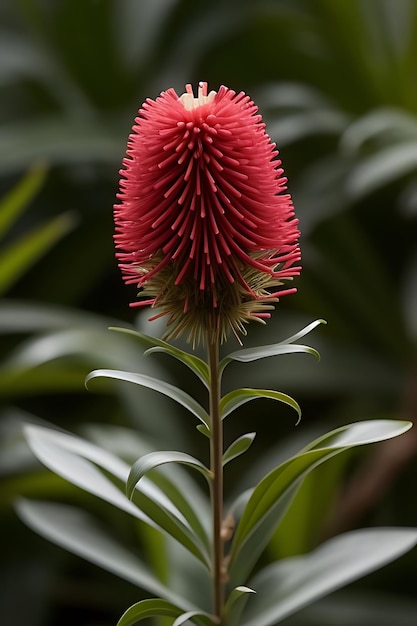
x=204, y=227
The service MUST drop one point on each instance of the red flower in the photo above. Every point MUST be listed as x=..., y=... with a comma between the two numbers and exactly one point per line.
x=204, y=225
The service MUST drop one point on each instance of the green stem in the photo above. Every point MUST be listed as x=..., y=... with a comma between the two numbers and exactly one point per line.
x=216, y=466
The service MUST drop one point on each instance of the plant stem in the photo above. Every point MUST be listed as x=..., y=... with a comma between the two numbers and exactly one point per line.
x=216, y=466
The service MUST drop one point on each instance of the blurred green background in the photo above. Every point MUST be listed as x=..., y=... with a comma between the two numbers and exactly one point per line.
x=336, y=81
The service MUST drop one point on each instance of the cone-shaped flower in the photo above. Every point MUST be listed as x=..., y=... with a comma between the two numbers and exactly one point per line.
x=204, y=227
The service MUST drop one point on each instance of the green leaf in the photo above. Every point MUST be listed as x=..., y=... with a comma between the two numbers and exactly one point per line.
x=283, y=588
x=204, y=430
x=16, y=201
x=238, y=447
x=194, y=363
x=79, y=533
x=351, y=606
x=283, y=347
x=156, y=607
x=236, y=398
x=157, y=385
x=253, y=354
x=61, y=140
x=379, y=123
x=70, y=457
x=20, y=316
x=304, y=331
x=235, y=605
x=198, y=617
x=155, y=459
x=256, y=541
x=382, y=168
x=194, y=508
x=271, y=497
x=19, y=255
x=75, y=460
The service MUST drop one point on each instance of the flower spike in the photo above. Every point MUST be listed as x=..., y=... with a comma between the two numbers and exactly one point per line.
x=204, y=226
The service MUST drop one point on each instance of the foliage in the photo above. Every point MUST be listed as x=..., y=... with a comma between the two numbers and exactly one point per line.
x=170, y=506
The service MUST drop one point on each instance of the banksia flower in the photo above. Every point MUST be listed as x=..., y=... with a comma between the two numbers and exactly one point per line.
x=204, y=227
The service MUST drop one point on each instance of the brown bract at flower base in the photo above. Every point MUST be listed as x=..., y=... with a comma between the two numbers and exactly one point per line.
x=204, y=227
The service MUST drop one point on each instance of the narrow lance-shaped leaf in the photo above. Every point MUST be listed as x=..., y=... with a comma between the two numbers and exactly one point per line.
x=157, y=385
x=304, y=331
x=155, y=459
x=204, y=430
x=286, y=346
x=21, y=254
x=79, y=533
x=70, y=457
x=264, y=510
x=15, y=202
x=236, y=398
x=194, y=363
x=235, y=605
x=188, y=501
x=156, y=607
x=285, y=587
x=198, y=617
x=238, y=447
x=76, y=460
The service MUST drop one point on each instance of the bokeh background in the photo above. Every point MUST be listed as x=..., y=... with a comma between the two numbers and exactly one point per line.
x=336, y=81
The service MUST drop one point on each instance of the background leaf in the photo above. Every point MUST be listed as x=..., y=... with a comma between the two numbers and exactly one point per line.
x=288, y=585
x=78, y=532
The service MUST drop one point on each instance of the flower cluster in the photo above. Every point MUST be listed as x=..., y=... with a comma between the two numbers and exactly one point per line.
x=204, y=227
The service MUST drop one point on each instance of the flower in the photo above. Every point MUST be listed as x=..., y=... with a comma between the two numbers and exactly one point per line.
x=204, y=227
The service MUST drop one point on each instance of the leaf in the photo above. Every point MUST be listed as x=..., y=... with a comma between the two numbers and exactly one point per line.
x=79, y=533
x=157, y=385
x=253, y=354
x=288, y=585
x=176, y=495
x=272, y=495
x=24, y=316
x=283, y=347
x=304, y=331
x=188, y=502
x=382, y=168
x=67, y=456
x=18, y=198
x=236, y=398
x=75, y=460
x=238, y=447
x=156, y=607
x=235, y=605
x=257, y=540
x=155, y=459
x=379, y=122
x=19, y=255
x=194, y=363
x=301, y=125
x=203, y=429
x=199, y=617
x=59, y=140
x=348, y=607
